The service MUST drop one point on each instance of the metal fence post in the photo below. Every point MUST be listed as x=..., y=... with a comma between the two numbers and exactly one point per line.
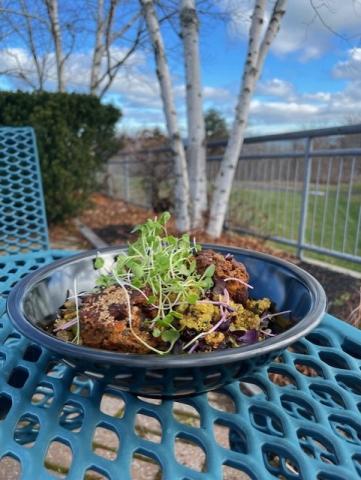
x=126, y=179
x=305, y=194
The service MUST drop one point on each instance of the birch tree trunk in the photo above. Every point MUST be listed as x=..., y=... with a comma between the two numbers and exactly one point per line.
x=52, y=7
x=257, y=51
x=196, y=148
x=164, y=79
x=98, y=49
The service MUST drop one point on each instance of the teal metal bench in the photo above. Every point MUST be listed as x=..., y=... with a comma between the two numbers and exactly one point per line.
x=300, y=421
x=23, y=226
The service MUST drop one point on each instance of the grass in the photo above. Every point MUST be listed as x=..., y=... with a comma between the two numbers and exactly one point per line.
x=262, y=208
x=277, y=212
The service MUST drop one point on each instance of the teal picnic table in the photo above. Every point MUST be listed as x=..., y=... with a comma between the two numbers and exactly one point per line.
x=297, y=418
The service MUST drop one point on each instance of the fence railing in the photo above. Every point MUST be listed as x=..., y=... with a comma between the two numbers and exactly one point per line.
x=301, y=189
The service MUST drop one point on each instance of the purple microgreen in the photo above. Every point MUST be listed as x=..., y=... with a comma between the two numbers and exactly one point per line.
x=234, y=279
x=77, y=336
x=211, y=330
x=226, y=296
x=248, y=337
x=225, y=325
x=268, y=332
x=193, y=347
x=66, y=325
x=220, y=304
x=271, y=315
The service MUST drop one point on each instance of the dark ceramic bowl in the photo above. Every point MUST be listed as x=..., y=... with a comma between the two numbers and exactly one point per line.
x=33, y=303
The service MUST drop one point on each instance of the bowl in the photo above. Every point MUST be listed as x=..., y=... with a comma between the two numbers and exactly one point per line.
x=33, y=304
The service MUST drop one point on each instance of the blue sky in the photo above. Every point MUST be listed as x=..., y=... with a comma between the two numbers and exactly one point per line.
x=311, y=77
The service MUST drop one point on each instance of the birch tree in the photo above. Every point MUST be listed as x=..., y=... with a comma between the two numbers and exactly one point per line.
x=196, y=146
x=258, y=48
x=53, y=13
x=260, y=39
x=165, y=83
x=98, y=50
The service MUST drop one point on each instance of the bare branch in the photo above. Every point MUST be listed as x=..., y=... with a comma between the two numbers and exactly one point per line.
x=113, y=69
x=19, y=71
x=29, y=15
x=316, y=9
x=126, y=27
x=32, y=47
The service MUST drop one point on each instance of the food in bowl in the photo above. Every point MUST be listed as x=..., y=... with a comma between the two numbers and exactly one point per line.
x=167, y=295
x=35, y=302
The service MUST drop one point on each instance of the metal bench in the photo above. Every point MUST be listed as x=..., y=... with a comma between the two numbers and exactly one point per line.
x=303, y=422
x=23, y=222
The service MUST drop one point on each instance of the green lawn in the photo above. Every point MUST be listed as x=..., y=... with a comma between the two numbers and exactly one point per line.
x=263, y=209
x=272, y=212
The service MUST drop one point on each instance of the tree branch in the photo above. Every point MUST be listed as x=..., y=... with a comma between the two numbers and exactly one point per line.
x=32, y=47
x=112, y=70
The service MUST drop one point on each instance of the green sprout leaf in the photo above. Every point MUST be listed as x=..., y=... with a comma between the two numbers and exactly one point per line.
x=192, y=298
x=209, y=272
x=163, y=267
x=170, y=336
x=164, y=218
x=156, y=332
x=99, y=262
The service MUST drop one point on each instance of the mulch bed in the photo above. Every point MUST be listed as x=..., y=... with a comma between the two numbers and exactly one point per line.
x=113, y=220
x=343, y=291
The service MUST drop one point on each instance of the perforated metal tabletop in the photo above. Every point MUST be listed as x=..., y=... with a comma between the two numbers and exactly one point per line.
x=304, y=422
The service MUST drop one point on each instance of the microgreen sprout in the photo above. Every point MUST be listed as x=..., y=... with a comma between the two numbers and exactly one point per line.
x=165, y=265
x=271, y=315
x=66, y=325
x=130, y=323
x=164, y=290
x=77, y=335
x=233, y=279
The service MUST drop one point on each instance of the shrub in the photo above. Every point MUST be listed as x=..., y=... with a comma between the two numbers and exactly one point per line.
x=75, y=137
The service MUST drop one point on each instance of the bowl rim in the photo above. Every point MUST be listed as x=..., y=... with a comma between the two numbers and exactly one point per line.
x=64, y=349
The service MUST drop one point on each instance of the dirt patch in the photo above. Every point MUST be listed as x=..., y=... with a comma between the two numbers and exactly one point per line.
x=343, y=291
x=102, y=213
x=113, y=221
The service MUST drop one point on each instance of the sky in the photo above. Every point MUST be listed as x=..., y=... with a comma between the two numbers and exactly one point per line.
x=311, y=77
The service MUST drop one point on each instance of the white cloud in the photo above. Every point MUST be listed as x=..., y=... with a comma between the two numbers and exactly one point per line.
x=216, y=94
x=304, y=31
x=351, y=67
x=135, y=88
x=307, y=110
x=321, y=96
x=276, y=111
x=275, y=87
